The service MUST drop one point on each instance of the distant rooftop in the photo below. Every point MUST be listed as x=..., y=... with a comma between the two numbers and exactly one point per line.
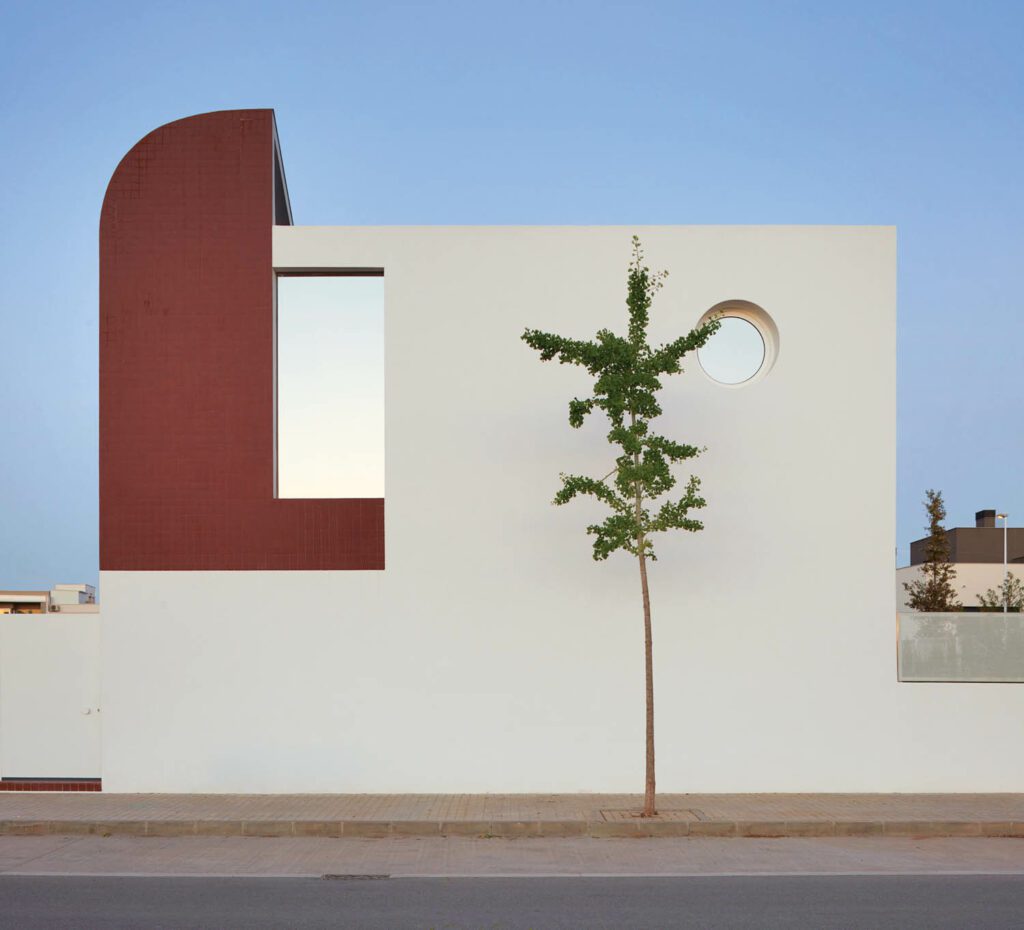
x=68, y=598
x=982, y=542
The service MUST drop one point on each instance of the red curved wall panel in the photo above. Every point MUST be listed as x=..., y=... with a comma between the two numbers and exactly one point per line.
x=186, y=365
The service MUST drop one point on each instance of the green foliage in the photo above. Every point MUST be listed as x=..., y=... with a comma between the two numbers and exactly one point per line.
x=934, y=591
x=627, y=374
x=1010, y=593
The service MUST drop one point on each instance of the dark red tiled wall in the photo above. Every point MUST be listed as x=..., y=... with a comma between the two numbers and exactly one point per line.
x=39, y=784
x=186, y=365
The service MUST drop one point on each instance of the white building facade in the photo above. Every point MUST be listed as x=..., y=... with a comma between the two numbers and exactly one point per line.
x=456, y=635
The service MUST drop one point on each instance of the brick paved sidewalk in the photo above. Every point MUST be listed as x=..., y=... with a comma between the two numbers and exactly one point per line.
x=597, y=815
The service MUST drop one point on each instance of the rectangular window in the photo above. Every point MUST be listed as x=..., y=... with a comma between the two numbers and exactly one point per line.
x=330, y=384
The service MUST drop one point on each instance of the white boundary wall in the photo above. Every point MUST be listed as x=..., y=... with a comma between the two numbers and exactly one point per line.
x=50, y=695
x=493, y=654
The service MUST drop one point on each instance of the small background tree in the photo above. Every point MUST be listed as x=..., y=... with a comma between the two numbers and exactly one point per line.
x=1010, y=593
x=934, y=590
x=627, y=376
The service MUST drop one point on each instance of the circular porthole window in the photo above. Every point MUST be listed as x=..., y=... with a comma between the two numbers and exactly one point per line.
x=744, y=347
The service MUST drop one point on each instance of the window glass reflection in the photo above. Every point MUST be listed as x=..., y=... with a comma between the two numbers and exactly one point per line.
x=330, y=386
x=735, y=353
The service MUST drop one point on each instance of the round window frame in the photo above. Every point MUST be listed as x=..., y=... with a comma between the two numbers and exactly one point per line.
x=757, y=317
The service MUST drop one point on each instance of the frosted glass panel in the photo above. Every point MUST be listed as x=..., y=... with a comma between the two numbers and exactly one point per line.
x=330, y=386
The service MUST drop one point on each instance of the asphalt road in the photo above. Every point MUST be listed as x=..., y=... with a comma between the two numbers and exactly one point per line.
x=749, y=902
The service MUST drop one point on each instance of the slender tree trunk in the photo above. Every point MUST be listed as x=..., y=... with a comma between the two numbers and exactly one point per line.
x=650, y=808
x=649, y=805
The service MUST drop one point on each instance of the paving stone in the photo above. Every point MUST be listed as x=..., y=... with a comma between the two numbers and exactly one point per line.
x=27, y=827
x=267, y=828
x=810, y=828
x=604, y=828
x=316, y=828
x=760, y=828
x=932, y=828
x=712, y=828
x=110, y=828
x=414, y=828
x=218, y=827
x=651, y=827
x=170, y=828
x=466, y=828
x=562, y=828
x=376, y=828
x=517, y=828
x=525, y=815
x=858, y=827
x=997, y=829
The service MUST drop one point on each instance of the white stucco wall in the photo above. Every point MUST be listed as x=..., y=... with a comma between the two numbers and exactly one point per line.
x=50, y=696
x=493, y=654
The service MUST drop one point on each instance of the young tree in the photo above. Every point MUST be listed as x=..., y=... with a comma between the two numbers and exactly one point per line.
x=627, y=376
x=1010, y=593
x=934, y=590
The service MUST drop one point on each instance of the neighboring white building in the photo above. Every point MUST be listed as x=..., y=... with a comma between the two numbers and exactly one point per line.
x=72, y=598
x=972, y=580
x=977, y=553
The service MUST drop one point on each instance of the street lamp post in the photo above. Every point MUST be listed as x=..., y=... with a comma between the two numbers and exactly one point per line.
x=1006, y=572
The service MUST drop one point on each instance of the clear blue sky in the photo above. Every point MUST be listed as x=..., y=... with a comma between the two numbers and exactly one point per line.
x=706, y=112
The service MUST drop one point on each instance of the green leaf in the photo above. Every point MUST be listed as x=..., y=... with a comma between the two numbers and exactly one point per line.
x=627, y=378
